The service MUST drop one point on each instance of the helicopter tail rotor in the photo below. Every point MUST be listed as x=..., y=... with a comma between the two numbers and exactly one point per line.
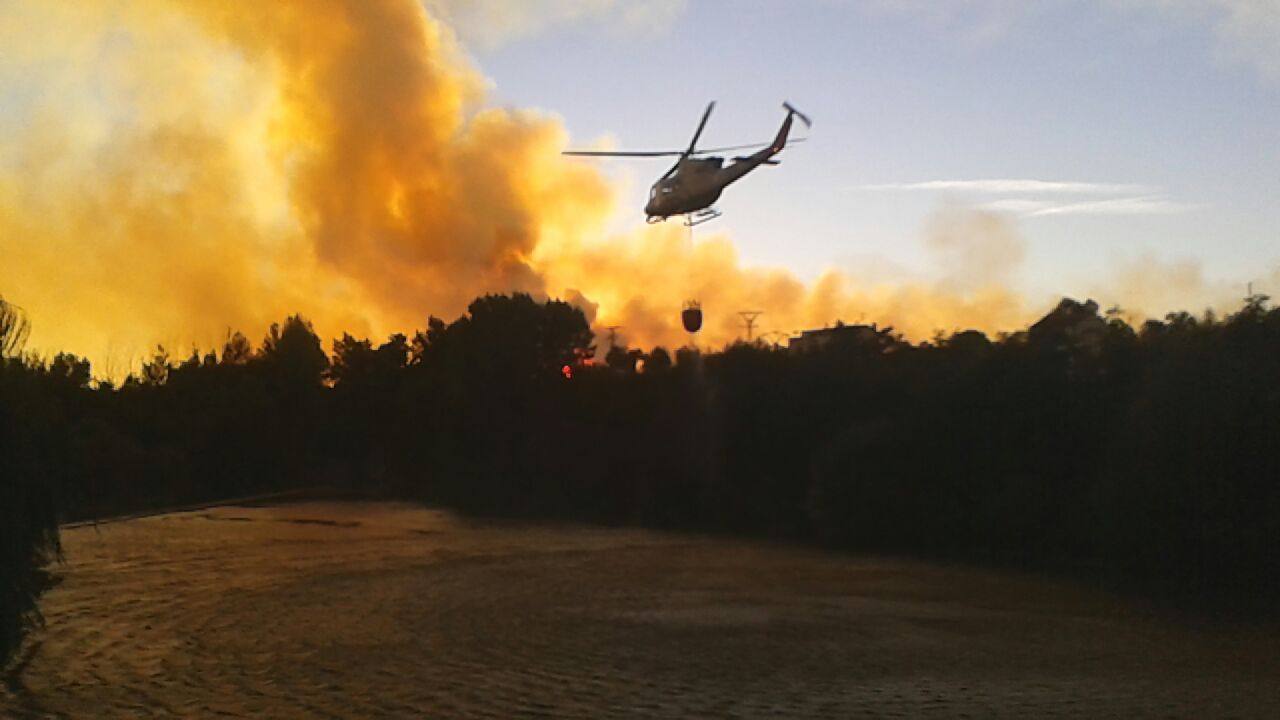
x=792, y=111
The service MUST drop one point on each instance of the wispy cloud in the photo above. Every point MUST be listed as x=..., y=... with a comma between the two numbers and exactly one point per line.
x=492, y=23
x=1150, y=205
x=1249, y=31
x=1245, y=31
x=975, y=24
x=1015, y=186
x=1039, y=198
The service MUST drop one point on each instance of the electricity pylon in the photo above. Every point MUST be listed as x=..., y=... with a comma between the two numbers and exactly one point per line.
x=749, y=319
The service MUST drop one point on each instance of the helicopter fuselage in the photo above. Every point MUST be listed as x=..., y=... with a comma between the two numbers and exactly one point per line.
x=696, y=183
x=693, y=186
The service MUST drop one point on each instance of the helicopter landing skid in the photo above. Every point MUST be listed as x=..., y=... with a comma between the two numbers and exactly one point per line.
x=701, y=216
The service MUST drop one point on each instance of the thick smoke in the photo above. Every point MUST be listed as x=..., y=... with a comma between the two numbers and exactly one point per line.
x=640, y=281
x=1146, y=286
x=172, y=169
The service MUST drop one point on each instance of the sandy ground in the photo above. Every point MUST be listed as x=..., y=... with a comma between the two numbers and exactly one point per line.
x=378, y=609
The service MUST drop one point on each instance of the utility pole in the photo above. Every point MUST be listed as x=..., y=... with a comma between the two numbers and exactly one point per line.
x=749, y=319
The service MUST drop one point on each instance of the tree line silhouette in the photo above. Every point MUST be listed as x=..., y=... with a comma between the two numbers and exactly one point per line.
x=1145, y=454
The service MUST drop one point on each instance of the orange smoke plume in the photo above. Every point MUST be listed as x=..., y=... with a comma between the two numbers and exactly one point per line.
x=181, y=168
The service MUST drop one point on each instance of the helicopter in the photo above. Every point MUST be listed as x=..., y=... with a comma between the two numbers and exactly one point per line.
x=698, y=177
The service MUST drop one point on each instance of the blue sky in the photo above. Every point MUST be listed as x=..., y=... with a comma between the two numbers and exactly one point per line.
x=1168, y=111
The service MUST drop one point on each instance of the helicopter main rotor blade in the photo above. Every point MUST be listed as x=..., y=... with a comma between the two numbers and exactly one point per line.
x=748, y=146
x=705, y=114
x=623, y=153
x=669, y=153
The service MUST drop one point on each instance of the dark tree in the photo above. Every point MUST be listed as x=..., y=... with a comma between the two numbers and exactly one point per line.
x=33, y=446
x=1147, y=456
x=292, y=355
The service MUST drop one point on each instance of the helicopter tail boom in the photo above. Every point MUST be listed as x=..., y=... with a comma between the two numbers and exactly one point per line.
x=743, y=165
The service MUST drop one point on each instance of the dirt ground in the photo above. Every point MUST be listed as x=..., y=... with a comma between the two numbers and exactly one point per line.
x=359, y=609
